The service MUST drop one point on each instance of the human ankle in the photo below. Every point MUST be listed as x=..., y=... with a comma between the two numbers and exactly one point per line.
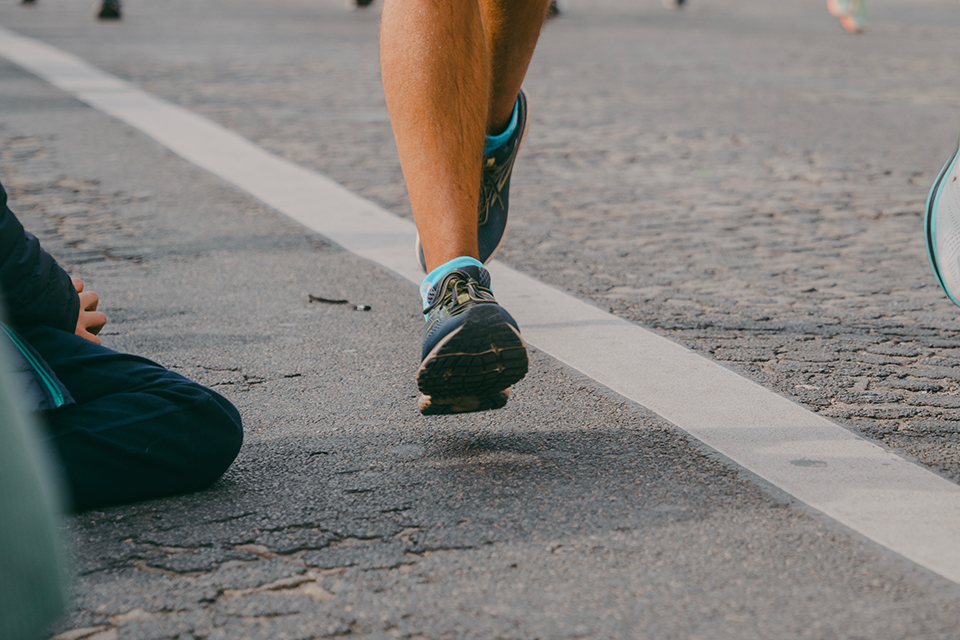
x=493, y=142
x=434, y=277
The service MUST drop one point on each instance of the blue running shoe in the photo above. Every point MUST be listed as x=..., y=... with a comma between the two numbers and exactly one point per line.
x=494, y=190
x=942, y=225
x=472, y=349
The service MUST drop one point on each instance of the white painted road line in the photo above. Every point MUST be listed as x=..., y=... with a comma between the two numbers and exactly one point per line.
x=896, y=503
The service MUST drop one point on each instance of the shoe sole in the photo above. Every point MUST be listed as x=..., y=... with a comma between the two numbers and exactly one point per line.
x=949, y=174
x=417, y=251
x=474, y=366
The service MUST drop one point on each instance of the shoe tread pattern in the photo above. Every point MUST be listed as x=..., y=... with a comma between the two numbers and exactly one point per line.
x=474, y=365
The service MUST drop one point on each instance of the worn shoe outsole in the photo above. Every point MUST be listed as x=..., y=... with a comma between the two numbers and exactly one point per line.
x=942, y=227
x=473, y=367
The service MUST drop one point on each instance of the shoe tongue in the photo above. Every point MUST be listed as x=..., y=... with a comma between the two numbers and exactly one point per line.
x=479, y=274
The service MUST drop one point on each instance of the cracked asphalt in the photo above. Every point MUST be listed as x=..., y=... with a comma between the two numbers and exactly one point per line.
x=742, y=177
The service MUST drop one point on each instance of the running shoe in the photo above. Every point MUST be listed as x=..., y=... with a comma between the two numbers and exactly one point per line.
x=855, y=18
x=109, y=10
x=553, y=10
x=942, y=225
x=494, y=191
x=472, y=349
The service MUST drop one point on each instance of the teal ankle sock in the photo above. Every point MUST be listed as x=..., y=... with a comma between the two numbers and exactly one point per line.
x=492, y=143
x=434, y=277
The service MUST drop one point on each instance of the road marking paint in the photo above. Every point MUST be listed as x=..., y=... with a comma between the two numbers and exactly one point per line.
x=896, y=503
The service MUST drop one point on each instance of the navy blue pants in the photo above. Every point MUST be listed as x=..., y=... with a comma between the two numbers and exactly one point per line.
x=137, y=430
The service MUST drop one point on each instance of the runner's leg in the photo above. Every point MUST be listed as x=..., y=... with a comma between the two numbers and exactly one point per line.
x=436, y=79
x=512, y=29
x=452, y=70
x=436, y=61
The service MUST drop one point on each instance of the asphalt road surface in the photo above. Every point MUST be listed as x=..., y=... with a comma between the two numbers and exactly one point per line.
x=742, y=177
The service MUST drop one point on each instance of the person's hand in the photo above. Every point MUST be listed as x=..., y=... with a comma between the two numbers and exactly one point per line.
x=90, y=321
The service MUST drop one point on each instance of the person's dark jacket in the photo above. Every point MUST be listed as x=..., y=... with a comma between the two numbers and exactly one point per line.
x=36, y=291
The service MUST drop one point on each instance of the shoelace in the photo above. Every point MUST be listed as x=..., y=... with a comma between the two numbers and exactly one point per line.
x=491, y=185
x=460, y=286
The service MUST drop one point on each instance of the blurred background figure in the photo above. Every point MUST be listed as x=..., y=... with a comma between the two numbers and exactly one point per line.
x=33, y=585
x=109, y=9
x=852, y=13
x=553, y=10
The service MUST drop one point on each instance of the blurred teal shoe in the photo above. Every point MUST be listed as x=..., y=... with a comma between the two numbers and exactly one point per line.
x=855, y=19
x=942, y=225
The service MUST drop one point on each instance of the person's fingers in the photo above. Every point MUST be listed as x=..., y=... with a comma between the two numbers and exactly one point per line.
x=89, y=301
x=95, y=322
x=89, y=324
x=86, y=335
x=77, y=284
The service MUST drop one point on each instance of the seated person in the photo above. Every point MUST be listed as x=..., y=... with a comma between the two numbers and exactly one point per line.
x=122, y=427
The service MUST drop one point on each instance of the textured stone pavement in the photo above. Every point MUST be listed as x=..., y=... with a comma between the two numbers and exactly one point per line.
x=572, y=514
x=743, y=177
